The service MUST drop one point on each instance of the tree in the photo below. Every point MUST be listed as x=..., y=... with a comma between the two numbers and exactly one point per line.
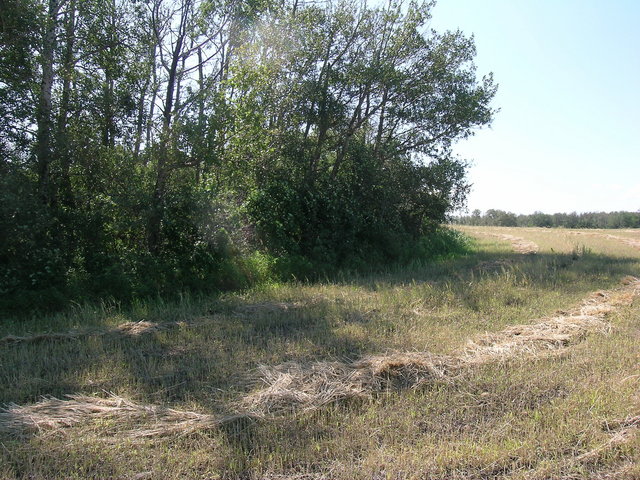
x=355, y=96
x=133, y=131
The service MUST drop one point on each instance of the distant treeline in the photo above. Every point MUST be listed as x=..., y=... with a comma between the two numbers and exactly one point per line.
x=538, y=219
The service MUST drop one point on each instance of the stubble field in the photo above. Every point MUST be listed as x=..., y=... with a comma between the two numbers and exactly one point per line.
x=518, y=361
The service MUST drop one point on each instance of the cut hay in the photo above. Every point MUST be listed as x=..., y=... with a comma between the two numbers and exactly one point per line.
x=133, y=329
x=41, y=337
x=631, y=242
x=520, y=245
x=556, y=332
x=297, y=387
x=140, y=328
x=546, y=335
x=293, y=386
x=623, y=432
x=53, y=414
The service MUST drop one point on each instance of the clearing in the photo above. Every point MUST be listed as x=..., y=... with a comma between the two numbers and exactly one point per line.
x=519, y=361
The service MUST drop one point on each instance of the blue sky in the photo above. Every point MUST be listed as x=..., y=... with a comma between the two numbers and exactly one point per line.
x=567, y=137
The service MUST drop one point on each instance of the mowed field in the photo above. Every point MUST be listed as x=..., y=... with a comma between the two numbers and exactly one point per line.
x=518, y=361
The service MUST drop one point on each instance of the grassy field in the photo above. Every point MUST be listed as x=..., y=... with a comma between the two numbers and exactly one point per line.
x=411, y=374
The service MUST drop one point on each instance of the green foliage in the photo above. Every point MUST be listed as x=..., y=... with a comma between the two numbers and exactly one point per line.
x=441, y=243
x=149, y=150
x=33, y=256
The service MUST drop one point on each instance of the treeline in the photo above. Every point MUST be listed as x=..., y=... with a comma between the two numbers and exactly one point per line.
x=538, y=219
x=154, y=146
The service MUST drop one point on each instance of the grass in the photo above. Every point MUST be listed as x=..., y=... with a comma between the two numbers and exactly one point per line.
x=559, y=415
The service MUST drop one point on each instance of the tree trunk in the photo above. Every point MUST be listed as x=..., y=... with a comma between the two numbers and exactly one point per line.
x=201, y=120
x=152, y=101
x=383, y=106
x=62, y=134
x=44, y=150
x=140, y=118
x=162, y=169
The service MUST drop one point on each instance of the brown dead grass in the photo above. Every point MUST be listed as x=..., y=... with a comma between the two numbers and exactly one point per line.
x=631, y=242
x=298, y=387
x=518, y=340
x=622, y=432
x=520, y=244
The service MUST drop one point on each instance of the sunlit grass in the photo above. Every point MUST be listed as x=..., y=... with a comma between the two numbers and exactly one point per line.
x=522, y=419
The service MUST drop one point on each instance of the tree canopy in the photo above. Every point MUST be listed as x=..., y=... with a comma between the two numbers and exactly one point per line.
x=156, y=145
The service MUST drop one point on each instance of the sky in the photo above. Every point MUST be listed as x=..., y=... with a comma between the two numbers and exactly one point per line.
x=567, y=136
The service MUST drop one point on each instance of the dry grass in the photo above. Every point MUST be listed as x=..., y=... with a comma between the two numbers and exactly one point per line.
x=622, y=432
x=54, y=415
x=632, y=242
x=563, y=240
x=518, y=244
x=127, y=329
x=495, y=366
x=293, y=386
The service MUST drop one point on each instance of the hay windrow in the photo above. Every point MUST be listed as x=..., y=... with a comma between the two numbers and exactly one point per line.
x=42, y=337
x=623, y=432
x=517, y=340
x=132, y=329
x=297, y=387
x=53, y=414
x=294, y=386
x=520, y=244
x=143, y=327
x=631, y=242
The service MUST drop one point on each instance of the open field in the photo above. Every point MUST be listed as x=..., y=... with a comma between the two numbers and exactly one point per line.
x=502, y=364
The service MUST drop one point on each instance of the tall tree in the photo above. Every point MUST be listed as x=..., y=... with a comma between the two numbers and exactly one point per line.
x=44, y=115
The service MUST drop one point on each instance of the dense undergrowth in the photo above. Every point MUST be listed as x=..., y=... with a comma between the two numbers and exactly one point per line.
x=42, y=276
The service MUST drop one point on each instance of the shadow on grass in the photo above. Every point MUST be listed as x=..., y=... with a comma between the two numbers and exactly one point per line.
x=545, y=270
x=207, y=358
x=197, y=360
x=205, y=361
